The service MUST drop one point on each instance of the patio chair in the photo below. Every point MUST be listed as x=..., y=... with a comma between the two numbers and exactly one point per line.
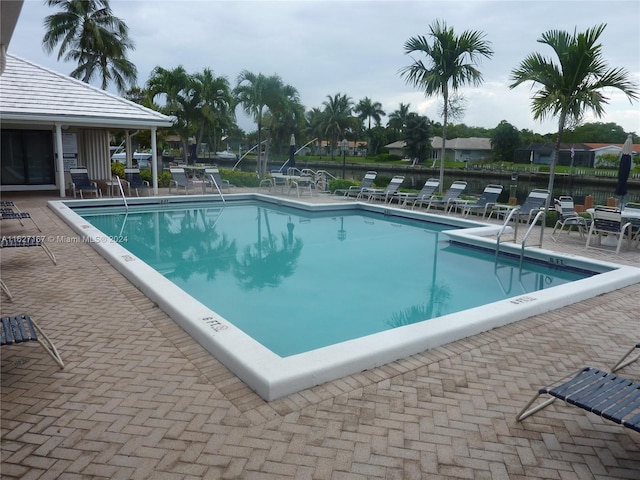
x=354, y=190
x=446, y=202
x=625, y=360
x=7, y=213
x=485, y=203
x=386, y=194
x=535, y=201
x=5, y=289
x=634, y=221
x=303, y=183
x=605, y=394
x=26, y=241
x=278, y=181
x=80, y=182
x=568, y=217
x=213, y=179
x=23, y=329
x=428, y=189
x=135, y=181
x=607, y=221
x=180, y=181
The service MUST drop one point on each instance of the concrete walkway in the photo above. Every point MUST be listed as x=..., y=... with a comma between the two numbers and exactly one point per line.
x=141, y=399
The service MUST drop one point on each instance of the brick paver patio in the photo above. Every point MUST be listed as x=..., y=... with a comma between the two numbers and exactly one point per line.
x=141, y=399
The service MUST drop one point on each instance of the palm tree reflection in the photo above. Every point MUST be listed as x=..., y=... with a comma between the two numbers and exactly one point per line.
x=206, y=251
x=270, y=259
x=439, y=295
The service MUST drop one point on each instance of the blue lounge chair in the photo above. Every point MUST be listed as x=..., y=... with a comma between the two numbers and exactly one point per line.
x=386, y=194
x=10, y=214
x=213, y=179
x=535, y=201
x=22, y=329
x=605, y=394
x=135, y=181
x=25, y=241
x=486, y=201
x=180, y=181
x=625, y=360
x=80, y=182
x=447, y=201
x=427, y=191
x=568, y=218
x=354, y=190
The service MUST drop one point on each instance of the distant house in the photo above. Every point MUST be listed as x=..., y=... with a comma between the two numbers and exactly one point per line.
x=601, y=149
x=457, y=149
x=576, y=154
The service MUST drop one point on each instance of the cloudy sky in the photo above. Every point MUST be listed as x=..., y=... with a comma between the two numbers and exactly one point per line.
x=357, y=47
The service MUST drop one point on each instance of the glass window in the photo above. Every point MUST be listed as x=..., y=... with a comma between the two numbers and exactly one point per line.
x=27, y=157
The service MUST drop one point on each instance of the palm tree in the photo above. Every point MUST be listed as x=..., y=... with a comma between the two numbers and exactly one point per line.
x=366, y=110
x=214, y=99
x=174, y=85
x=398, y=118
x=258, y=94
x=336, y=118
x=91, y=35
x=574, y=84
x=451, y=63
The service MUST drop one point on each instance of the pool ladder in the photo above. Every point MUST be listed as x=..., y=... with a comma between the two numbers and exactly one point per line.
x=124, y=198
x=215, y=184
x=540, y=215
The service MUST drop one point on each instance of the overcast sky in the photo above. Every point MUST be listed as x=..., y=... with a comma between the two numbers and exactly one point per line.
x=357, y=47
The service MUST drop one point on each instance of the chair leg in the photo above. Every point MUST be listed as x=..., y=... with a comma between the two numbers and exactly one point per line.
x=47, y=344
x=624, y=361
x=527, y=411
x=5, y=289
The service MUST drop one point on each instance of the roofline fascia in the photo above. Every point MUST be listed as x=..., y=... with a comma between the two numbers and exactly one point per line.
x=83, y=121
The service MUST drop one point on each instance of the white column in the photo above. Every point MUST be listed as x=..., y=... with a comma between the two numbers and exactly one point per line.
x=59, y=160
x=154, y=160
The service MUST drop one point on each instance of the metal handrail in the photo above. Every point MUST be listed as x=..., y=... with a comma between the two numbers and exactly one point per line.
x=124, y=198
x=540, y=214
x=504, y=226
x=213, y=181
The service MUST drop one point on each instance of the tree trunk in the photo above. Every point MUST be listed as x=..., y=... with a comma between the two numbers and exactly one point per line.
x=444, y=142
x=554, y=159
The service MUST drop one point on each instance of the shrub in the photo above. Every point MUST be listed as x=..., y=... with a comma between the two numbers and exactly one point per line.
x=340, y=184
x=240, y=179
x=117, y=169
x=163, y=178
x=387, y=157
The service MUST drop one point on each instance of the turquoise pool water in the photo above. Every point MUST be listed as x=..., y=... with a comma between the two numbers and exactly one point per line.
x=296, y=281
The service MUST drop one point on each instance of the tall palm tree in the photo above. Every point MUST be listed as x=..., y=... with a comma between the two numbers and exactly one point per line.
x=450, y=63
x=574, y=84
x=398, y=118
x=214, y=99
x=337, y=118
x=257, y=94
x=89, y=34
x=173, y=86
x=366, y=110
x=314, y=122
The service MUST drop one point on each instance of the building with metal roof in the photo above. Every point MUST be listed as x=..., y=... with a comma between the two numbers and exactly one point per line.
x=43, y=112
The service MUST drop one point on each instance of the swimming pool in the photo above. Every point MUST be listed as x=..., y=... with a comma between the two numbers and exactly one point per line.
x=291, y=237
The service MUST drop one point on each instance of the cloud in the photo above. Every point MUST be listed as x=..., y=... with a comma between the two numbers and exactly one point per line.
x=357, y=47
